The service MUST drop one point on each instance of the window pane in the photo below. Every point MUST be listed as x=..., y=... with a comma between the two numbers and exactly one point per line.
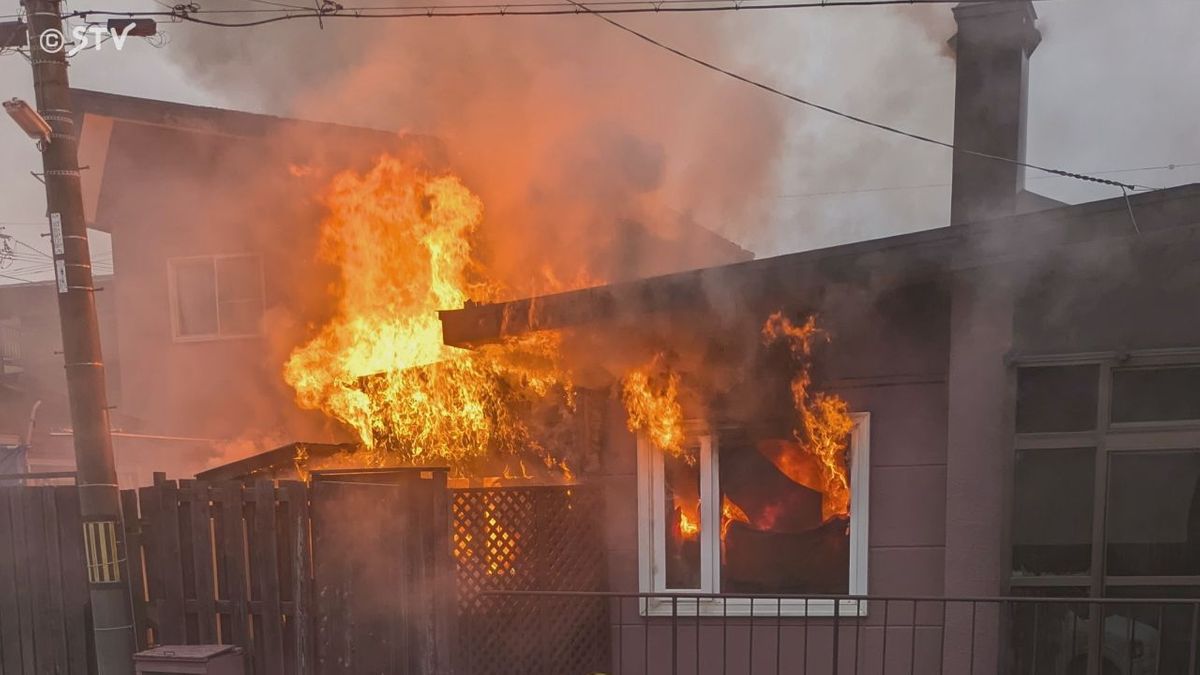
x=1059, y=398
x=239, y=294
x=681, y=483
x=773, y=536
x=1156, y=394
x=1052, y=511
x=195, y=297
x=1050, y=637
x=1153, y=519
x=1156, y=636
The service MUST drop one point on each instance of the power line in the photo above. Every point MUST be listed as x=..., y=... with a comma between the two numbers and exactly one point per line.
x=888, y=188
x=833, y=111
x=35, y=250
x=185, y=13
x=20, y=279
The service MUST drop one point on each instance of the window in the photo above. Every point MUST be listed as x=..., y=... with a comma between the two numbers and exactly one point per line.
x=747, y=516
x=1106, y=503
x=1106, y=478
x=215, y=296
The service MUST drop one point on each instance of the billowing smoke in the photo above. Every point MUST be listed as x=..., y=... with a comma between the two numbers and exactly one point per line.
x=570, y=131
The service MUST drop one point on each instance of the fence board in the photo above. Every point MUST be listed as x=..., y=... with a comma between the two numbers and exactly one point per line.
x=264, y=565
x=10, y=614
x=131, y=515
x=296, y=496
x=233, y=557
x=24, y=580
x=52, y=629
x=202, y=563
x=39, y=592
x=76, y=597
x=172, y=623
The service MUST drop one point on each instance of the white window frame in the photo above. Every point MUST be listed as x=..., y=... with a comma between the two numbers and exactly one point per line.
x=173, y=293
x=652, y=545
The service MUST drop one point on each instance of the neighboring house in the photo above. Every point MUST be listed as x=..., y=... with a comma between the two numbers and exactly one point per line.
x=1026, y=388
x=33, y=388
x=214, y=219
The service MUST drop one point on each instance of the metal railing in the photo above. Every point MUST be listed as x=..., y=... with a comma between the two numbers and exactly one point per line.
x=731, y=634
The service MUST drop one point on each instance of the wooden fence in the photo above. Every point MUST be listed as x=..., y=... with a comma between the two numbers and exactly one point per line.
x=357, y=572
x=44, y=605
x=223, y=563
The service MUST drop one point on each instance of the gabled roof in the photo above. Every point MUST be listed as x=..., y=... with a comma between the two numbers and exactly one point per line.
x=911, y=256
x=205, y=119
x=97, y=112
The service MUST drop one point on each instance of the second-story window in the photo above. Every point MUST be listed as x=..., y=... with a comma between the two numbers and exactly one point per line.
x=218, y=296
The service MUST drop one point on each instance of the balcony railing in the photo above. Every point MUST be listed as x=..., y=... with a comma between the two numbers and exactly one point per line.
x=693, y=634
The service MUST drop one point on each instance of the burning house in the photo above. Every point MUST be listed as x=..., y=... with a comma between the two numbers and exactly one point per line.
x=1004, y=407
x=967, y=449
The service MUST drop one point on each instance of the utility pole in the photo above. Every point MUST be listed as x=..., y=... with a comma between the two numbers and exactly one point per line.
x=96, y=475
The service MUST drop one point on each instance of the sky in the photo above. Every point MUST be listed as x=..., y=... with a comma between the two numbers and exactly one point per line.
x=1111, y=88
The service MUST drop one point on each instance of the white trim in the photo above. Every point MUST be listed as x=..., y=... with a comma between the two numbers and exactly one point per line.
x=173, y=297
x=652, y=546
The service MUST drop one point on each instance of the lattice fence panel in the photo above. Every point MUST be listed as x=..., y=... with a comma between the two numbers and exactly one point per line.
x=530, y=539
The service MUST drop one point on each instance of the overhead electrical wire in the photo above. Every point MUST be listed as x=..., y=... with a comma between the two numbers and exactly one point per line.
x=926, y=186
x=189, y=12
x=844, y=115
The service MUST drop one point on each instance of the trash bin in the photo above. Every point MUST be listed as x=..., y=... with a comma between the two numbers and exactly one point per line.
x=198, y=659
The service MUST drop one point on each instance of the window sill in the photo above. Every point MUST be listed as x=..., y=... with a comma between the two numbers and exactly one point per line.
x=184, y=339
x=765, y=607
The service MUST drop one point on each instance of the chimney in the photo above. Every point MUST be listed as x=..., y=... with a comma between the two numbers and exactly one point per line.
x=993, y=44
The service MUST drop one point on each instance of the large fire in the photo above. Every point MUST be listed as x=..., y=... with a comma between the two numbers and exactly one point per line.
x=823, y=420
x=651, y=397
x=402, y=240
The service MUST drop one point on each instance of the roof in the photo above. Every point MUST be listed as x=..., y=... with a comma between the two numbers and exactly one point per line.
x=928, y=253
x=97, y=112
x=204, y=119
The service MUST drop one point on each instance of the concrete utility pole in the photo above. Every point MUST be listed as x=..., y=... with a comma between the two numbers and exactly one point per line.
x=96, y=475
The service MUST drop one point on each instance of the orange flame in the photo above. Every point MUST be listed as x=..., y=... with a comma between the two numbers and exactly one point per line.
x=402, y=240
x=824, y=422
x=729, y=513
x=651, y=397
x=689, y=528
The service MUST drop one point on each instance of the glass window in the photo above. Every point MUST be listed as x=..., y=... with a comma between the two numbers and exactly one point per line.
x=774, y=537
x=755, y=516
x=239, y=294
x=1148, y=637
x=1048, y=636
x=216, y=296
x=1153, y=519
x=681, y=486
x=1057, y=398
x=1052, y=511
x=195, y=299
x=1156, y=394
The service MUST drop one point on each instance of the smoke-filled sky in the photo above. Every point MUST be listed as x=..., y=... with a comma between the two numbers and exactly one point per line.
x=567, y=113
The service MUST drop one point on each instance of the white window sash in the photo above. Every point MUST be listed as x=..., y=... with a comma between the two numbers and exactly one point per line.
x=652, y=525
x=173, y=292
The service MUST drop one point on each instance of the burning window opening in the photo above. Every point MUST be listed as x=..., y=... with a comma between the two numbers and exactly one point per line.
x=748, y=506
x=734, y=522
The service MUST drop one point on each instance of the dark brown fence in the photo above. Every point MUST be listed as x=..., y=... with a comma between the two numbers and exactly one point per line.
x=44, y=611
x=358, y=572
x=224, y=563
x=383, y=574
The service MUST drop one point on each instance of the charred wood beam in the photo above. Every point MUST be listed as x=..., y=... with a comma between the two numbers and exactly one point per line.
x=281, y=457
